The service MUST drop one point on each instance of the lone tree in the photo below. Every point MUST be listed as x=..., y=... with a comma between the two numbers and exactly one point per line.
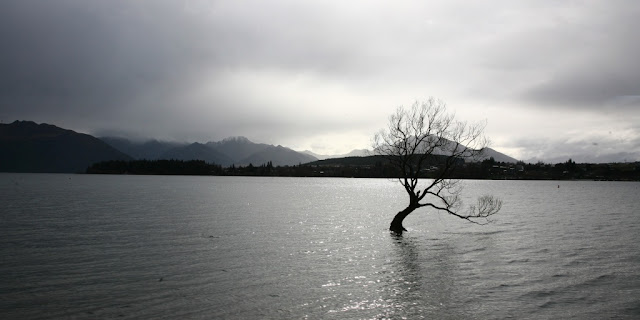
x=426, y=140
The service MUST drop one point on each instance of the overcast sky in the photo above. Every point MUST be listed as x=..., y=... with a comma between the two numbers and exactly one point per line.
x=553, y=79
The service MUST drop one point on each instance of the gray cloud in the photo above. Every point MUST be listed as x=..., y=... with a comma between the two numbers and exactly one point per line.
x=580, y=56
x=287, y=70
x=68, y=56
x=609, y=147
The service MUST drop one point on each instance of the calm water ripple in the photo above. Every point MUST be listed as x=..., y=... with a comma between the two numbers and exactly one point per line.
x=92, y=247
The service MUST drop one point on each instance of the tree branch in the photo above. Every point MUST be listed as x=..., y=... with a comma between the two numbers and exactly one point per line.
x=425, y=135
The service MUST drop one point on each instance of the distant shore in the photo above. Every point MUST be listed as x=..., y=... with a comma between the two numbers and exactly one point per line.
x=375, y=167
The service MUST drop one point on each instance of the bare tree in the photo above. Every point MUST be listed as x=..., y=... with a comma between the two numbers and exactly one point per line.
x=425, y=139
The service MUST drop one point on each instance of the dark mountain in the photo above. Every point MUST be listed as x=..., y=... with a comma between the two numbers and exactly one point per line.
x=30, y=147
x=150, y=150
x=238, y=148
x=244, y=152
x=497, y=156
x=197, y=151
x=488, y=153
x=279, y=156
x=234, y=150
x=448, y=147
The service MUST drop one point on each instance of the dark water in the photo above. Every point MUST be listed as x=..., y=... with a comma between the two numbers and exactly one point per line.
x=91, y=247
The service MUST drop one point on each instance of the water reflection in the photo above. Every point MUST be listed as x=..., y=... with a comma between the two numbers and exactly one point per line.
x=421, y=280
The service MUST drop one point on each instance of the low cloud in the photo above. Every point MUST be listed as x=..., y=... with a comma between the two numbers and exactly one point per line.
x=603, y=148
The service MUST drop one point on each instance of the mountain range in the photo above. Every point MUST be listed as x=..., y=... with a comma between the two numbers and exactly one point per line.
x=30, y=147
x=488, y=153
x=231, y=151
x=497, y=156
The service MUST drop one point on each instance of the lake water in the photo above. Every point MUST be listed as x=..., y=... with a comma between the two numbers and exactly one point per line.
x=173, y=247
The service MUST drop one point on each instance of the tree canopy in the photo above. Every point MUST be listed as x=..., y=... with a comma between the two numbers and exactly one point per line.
x=425, y=137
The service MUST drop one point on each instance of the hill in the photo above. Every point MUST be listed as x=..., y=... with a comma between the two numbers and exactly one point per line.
x=197, y=151
x=149, y=150
x=279, y=156
x=488, y=153
x=238, y=148
x=30, y=147
x=497, y=156
x=227, y=152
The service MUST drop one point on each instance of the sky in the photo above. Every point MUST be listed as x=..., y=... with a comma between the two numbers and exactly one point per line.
x=552, y=79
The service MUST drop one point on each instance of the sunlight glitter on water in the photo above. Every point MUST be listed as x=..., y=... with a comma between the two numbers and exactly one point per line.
x=216, y=247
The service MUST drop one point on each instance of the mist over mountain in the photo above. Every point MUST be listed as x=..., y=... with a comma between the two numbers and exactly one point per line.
x=197, y=151
x=227, y=152
x=279, y=156
x=242, y=151
x=150, y=149
x=30, y=147
x=352, y=153
x=238, y=148
x=488, y=153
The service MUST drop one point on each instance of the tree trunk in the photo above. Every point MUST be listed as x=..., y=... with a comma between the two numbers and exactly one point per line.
x=396, y=224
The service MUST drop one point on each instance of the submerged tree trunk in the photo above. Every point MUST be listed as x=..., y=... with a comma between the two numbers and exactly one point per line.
x=396, y=224
x=425, y=137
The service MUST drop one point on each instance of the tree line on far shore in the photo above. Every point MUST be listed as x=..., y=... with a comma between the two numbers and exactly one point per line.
x=377, y=167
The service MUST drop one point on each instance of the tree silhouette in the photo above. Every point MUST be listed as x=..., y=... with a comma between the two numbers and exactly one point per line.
x=425, y=138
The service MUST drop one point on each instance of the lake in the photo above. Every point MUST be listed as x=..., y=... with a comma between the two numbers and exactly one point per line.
x=177, y=247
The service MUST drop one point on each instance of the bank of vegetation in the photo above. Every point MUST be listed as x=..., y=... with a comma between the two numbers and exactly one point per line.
x=379, y=167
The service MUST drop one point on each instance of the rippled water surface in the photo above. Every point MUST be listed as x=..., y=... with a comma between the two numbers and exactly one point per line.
x=83, y=246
